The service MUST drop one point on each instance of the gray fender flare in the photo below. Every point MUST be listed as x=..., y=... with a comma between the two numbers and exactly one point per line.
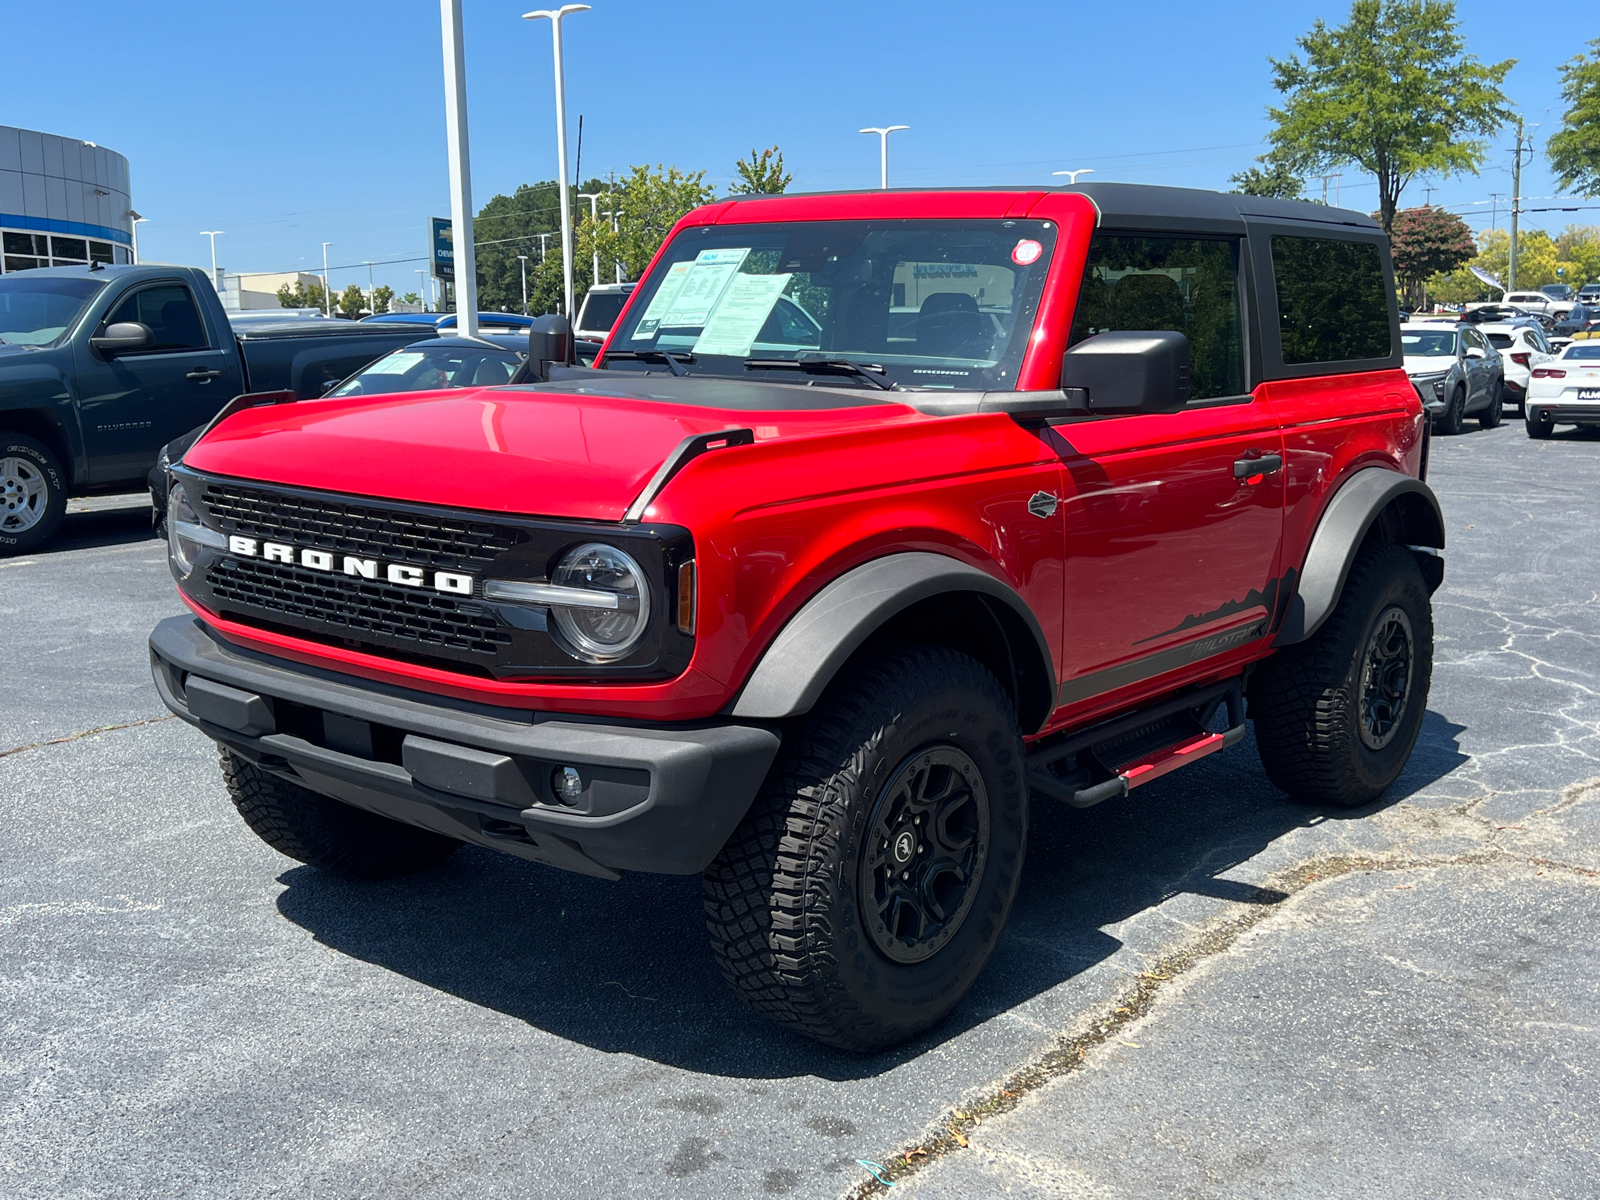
x=808, y=652
x=1358, y=503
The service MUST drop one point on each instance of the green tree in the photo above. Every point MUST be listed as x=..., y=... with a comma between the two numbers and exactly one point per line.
x=1270, y=179
x=382, y=297
x=1575, y=149
x=761, y=174
x=411, y=298
x=352, y=300
x=301, y=296
x=648, y=203
x=1579, y=246
x=1428, y=241
x=1391, y=91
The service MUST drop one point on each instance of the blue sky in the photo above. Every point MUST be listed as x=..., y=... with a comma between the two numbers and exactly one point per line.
x=213, y=103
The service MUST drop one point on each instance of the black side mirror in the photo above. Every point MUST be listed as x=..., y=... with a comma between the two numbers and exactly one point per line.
x=1125, y=373
x=123, y=338
x=549, y=344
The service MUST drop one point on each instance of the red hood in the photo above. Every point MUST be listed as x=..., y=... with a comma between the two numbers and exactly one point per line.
x=538, y=452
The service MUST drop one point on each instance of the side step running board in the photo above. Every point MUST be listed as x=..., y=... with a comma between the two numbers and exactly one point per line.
x=1111, y=759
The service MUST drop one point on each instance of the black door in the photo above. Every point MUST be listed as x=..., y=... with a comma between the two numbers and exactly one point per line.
x=133, y=404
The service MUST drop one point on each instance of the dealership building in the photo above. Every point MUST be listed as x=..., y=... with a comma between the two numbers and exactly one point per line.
x=62, y=202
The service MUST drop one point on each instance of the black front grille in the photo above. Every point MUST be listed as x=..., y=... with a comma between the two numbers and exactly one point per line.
x=362, y=607
x=419, y=624
x=442, y=542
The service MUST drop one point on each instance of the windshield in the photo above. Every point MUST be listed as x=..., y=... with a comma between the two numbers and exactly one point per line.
x=37, y=311
x=1428, y=343
x=934, y=304
x=429, y=368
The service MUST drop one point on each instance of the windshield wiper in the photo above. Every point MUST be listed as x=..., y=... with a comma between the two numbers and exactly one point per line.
x=674, y=362
x=825, y=366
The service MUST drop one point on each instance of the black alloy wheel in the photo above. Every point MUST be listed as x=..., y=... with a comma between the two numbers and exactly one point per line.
x=925, y=853
x=1490, y=416
x=1449, y=421
x=1386, y=675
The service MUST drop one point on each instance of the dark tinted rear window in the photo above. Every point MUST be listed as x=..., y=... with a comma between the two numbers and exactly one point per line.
x=1332, y=306
x=1499, y=340
x=601, y=310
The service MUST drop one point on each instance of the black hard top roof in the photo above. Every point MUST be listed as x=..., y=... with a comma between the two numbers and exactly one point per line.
x=1146, y=206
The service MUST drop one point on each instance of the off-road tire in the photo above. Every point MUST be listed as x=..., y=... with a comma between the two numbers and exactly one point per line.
x=325, y=833
x=1490, y=417
x=784, y=899
x=1539, y=430
x=1448, y=422
x=41, y=463
x=1306, y=699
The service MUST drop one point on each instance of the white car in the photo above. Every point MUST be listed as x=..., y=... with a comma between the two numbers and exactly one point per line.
x=1565, y=391
x=1523, y=346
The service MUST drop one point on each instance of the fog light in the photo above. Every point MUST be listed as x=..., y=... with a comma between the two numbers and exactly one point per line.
x=567, y=784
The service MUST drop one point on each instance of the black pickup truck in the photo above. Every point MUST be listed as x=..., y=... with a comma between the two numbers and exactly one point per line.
x=101, y=366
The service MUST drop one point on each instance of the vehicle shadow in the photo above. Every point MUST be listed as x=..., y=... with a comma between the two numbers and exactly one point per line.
x=102, y=525
x=623, y=967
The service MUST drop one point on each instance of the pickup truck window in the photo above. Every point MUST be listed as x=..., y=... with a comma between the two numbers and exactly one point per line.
x=169, y=310
x=934, y=303
x=1331, y=301
x=38, y=310
x=430, y=368
x=1185, y=285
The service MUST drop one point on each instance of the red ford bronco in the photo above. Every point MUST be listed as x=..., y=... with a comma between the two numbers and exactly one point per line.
x=880, y=517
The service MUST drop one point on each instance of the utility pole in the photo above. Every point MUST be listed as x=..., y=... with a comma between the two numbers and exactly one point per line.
x=372, y=291
x=1325, y=179
x=1516, y=203
x=463, y=254
x=523, y=259
x=1494, y=209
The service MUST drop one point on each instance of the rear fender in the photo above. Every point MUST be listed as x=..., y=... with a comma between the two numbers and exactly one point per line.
x=1377, y=502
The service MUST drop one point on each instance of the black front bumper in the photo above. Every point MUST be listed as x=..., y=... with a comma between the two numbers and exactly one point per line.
x=661, y=799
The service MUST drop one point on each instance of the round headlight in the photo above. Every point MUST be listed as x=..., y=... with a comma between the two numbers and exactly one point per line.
x=185, y=533
x=181, y=514
x=602, y=634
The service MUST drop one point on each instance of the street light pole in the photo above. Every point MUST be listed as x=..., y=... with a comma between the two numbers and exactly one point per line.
x=594, y=219
x=543, y=237
x=883, y=133
x=523, y=259
x=135, y=230
x=422, y=288
x=1072, y=176
x=212, y=234
x=616, y=262
x=327, y=296
x=463, y=254
x=555, y=16
x=372, y=291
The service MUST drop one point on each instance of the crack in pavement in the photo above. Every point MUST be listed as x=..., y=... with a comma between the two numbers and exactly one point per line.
x=1138, y=1000
x=73, y=737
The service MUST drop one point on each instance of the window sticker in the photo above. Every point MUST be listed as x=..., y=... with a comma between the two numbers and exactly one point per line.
x=710, y=273
x=1026, y=251
x=661, y=303
x=737, y=319
x=395, y=364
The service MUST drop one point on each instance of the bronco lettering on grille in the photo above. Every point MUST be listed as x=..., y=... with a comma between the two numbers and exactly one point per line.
x=452, y=583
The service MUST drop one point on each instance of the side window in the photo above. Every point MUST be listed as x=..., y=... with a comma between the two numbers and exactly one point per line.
x=1332, y=305
x=169, y=311
x=1188, y=285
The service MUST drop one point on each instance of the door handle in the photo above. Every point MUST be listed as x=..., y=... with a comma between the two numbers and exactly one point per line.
x=1262, y=464
x=202, y=375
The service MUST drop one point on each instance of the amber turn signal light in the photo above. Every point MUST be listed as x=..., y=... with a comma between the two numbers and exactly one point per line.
x=686, y=597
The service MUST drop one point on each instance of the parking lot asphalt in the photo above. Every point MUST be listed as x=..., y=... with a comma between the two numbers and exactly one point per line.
x=185, y=1012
